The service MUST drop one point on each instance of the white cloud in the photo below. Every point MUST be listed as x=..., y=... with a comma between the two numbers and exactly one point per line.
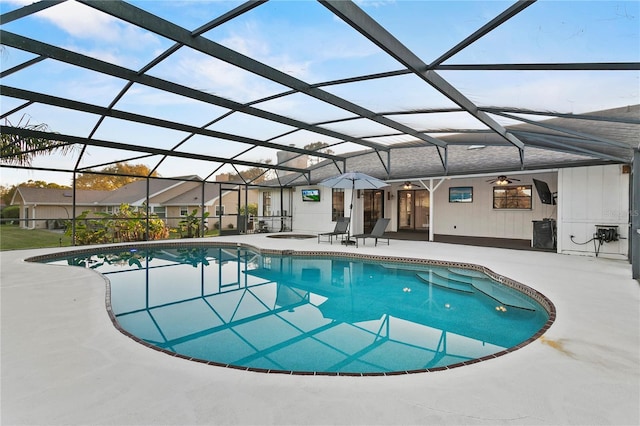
x=85, y=24
x=82, y=22
x=576, y=92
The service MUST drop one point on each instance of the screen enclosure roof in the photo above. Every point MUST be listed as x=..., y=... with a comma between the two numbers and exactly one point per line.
x=396, y=89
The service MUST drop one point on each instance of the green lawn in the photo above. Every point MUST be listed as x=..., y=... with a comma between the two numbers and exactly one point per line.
x=13, y=237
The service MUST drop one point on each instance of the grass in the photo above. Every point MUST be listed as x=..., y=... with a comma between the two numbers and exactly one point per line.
x=13, y=237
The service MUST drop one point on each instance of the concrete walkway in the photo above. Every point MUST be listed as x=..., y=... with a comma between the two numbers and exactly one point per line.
x=63, y=362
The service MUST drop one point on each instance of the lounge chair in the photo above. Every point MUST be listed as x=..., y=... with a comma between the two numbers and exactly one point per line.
x=342, y=227
x=377, y=232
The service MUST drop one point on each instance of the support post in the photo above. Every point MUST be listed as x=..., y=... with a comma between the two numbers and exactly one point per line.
x=146, y=233
x=73, y=211
x=282, y=219
x=634, y=212
x=431, y=188
x=246, y=208
x=202, y=234
x=431, y=209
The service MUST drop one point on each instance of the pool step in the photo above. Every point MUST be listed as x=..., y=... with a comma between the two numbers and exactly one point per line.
x=404, y=267
x=444, y=282
x=461, y=279
x=467, y=281
x=472, y=273
x=504, y=295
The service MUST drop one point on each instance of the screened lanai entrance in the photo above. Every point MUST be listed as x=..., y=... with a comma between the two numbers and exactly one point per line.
x=413, y=210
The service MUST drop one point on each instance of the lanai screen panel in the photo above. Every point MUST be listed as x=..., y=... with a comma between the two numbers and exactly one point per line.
x=235, y=82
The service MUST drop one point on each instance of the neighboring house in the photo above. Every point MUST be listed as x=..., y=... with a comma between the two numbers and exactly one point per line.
x=170, y=199
x=48, y=208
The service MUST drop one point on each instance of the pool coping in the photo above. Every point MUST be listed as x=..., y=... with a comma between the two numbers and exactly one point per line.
x=543, y=300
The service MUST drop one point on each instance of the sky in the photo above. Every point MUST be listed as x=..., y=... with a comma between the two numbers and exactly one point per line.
x=303, y=39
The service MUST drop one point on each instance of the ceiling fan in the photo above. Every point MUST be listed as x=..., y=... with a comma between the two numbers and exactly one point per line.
x=502, y=180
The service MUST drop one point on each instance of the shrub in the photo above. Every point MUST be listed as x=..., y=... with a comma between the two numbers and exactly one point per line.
x=190, y=225
x=10, y=213
x=124, y=226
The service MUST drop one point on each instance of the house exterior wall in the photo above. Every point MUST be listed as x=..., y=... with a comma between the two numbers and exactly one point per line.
x=318, y=213
x=307, y=217
x=173, y=215
x=480, y=219
x=229, y=202
x=587, y=196
x=40, y=215
x=590, y=196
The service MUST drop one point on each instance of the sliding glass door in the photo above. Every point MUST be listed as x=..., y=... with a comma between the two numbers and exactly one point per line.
x=413, y=210
x=373, y=208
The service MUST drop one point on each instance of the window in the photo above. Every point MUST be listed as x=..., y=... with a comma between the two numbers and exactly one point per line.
x=266, y=203
x=512, y=197
x=219, y=210
x=112, y=209
x=184, y=211
x=160, y=211
x=337, y=203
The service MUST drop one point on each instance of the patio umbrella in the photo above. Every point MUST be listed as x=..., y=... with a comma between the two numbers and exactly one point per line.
x=353, y=181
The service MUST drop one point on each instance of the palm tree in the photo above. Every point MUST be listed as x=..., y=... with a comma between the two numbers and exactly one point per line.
x=21, y=150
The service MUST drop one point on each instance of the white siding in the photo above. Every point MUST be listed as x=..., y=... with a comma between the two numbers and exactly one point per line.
x=480, y=219
x=589, y=196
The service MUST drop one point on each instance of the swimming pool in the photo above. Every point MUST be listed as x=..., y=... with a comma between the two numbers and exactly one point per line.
x=313, y=313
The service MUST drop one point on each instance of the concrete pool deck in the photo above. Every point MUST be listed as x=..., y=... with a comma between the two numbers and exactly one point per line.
x=63, y=362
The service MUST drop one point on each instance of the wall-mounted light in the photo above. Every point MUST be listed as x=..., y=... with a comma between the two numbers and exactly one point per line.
x=358, y=194
x=389, y=196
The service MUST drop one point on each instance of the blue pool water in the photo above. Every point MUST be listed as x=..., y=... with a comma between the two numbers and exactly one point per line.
x=319, y=314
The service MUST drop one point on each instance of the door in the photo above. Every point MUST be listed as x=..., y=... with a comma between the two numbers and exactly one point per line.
x=227, y=211
x=373, y=208
x=413, y=210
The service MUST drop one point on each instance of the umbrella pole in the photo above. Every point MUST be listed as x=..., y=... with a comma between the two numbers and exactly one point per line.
x=353, y=190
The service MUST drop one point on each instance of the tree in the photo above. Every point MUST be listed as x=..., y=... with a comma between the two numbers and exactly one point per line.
x=21, y=150
x=7, y=191
x=91, y=180
x=251, y=208
x=320, y=147
x=253, y=175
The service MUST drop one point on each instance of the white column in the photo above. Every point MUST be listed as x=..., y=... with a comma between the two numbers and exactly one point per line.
x=431, y=188
x=430, y=209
